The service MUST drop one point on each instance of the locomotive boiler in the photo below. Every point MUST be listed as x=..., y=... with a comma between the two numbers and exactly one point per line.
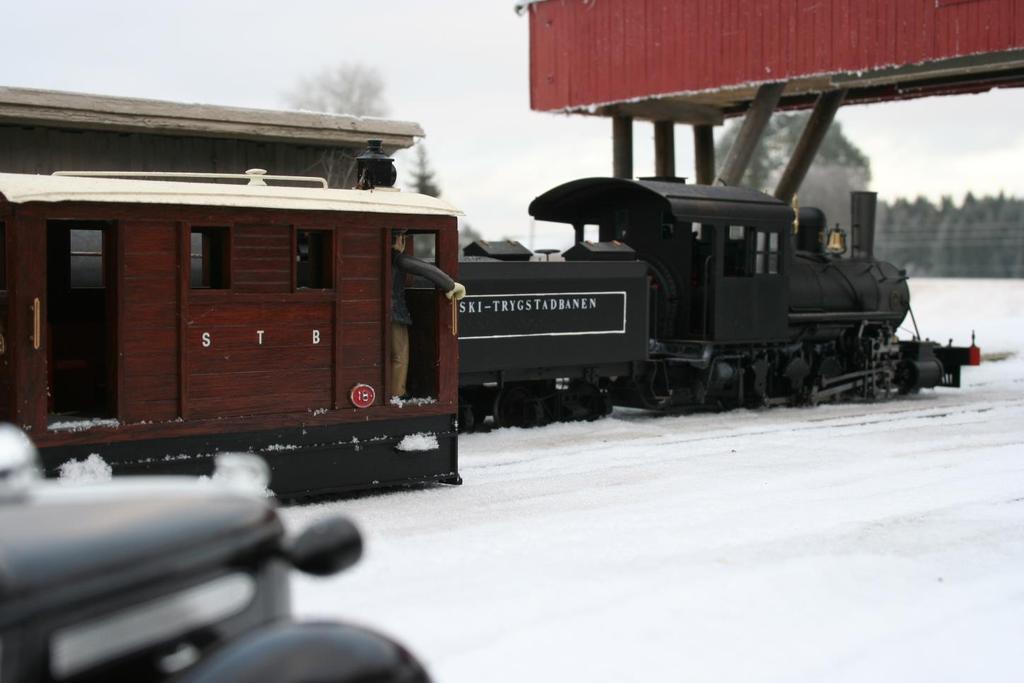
x=741, y=301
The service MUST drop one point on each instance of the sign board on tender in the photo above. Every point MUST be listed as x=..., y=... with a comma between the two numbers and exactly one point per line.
x=496, y=316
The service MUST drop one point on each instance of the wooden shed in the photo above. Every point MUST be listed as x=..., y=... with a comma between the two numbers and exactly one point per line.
x=42, y=131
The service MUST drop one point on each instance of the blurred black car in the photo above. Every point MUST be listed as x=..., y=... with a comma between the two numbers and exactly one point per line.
x=168, y=579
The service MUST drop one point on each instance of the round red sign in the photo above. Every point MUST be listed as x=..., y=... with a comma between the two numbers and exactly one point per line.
x=362, y=395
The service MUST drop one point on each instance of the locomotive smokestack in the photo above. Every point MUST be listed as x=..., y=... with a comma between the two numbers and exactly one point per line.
x=862, y=223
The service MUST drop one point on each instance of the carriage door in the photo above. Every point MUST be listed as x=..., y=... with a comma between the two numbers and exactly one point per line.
x=80, y=317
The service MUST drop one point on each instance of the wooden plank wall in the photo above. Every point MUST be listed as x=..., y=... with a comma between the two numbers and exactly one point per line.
x=238, y=374
x=41, y=149
x=361, y=275
x=271, y=350
x=598, y=52
x=261, y=347
x=261, y=258
x=148, y=320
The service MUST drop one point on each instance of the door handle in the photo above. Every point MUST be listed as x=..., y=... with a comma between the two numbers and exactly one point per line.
x=36, y=323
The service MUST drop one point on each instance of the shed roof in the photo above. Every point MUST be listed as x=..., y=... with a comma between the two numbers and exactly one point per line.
x=19, y=188
x=580, y=201
x=96, y=112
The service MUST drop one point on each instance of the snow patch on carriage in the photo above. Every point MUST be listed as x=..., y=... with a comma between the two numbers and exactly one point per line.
x=82, y=425
x=421, y=441
x=284, y=447
x=400, y=402
x=89, y=470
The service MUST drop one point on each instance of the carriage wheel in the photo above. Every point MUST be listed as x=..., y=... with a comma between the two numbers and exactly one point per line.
x=516, y=406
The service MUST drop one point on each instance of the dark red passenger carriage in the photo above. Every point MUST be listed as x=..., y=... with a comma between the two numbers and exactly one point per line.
x=158, y=322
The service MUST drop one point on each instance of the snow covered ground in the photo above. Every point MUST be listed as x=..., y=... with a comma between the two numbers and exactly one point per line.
x=845, y=542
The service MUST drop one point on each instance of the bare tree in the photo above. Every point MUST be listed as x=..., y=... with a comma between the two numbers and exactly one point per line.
x=348, y=88
x=337, y=166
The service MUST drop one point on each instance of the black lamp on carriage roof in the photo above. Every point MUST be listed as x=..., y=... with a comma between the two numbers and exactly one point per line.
x=374, y=168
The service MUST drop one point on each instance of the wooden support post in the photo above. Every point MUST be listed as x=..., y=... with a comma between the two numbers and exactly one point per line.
x=622, y=146
x=810, y=140
x=664, y=149
x=704, y=153
x=754, y=123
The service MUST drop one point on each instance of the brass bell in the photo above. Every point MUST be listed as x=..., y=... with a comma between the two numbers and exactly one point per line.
x=836, y=241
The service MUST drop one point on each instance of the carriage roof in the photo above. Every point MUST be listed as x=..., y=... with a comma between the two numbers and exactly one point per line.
x=23, y=188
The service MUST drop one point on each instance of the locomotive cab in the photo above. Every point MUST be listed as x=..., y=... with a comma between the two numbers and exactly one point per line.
x=717, y=257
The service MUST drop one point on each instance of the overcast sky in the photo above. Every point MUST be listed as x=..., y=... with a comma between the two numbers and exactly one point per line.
x=460, y=68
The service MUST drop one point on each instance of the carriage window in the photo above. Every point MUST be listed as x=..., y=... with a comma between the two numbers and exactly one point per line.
x=208, y=257
x=313, y=259
x=736, y=232
x=86, y=259
x=766, y=258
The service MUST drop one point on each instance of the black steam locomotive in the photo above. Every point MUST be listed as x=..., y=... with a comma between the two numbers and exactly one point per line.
x=693, y=297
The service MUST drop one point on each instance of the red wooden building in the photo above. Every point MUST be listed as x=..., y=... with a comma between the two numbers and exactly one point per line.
x=157, y=322
x=698, y=61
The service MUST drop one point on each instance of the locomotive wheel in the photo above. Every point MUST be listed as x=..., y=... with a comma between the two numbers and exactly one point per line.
x=589, y=403
x=516, y=406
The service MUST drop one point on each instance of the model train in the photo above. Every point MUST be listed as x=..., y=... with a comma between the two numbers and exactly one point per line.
x=156, y=323
x=692, y=297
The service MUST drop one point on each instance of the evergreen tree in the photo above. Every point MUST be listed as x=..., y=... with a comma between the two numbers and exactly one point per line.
x=423, y=176
x=467, y=235
x=983, y=237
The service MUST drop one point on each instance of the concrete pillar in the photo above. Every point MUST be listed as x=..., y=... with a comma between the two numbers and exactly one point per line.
x=664, y=148
x=622, y=146
x=754, y=123
x=810, y=140
x=704, y=153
